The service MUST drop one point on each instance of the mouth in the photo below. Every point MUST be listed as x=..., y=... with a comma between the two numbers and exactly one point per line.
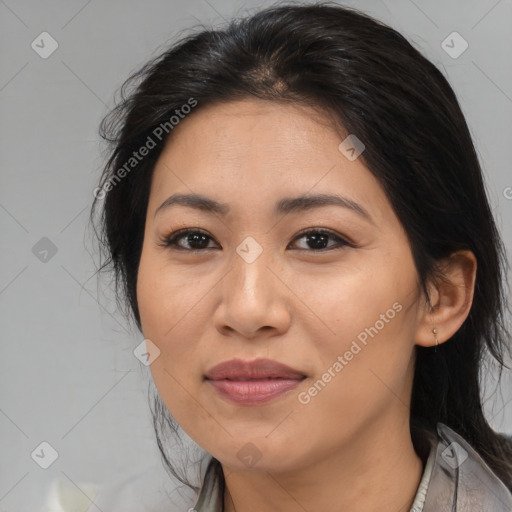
x=253, y=382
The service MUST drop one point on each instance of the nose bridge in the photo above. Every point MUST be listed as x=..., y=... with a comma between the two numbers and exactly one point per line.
x=250, y=275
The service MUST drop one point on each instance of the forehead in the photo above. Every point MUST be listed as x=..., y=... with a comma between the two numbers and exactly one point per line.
x=261, y=148
x=251, y=131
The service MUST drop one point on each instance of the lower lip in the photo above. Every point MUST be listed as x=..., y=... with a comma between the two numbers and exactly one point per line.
x=251, y=392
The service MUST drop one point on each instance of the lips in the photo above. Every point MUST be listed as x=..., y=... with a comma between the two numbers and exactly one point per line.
x=253, y=383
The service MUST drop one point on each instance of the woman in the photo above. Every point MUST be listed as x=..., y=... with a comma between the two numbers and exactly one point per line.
x=295, y=215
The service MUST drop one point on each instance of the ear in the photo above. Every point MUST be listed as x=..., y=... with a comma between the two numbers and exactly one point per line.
x=450, y=297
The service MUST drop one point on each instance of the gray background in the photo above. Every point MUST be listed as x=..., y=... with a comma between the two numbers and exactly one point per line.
x=68, y=374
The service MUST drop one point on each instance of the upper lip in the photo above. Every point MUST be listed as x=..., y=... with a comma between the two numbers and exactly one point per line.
x=257, y=369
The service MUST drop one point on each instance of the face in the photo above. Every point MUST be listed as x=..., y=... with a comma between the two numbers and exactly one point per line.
x=329, y=290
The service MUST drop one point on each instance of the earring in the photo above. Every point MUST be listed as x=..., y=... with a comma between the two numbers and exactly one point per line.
x=434, y=330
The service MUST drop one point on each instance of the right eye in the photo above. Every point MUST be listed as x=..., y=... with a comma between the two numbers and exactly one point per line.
x=195, y=238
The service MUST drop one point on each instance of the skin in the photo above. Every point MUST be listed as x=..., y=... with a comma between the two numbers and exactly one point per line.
x=350, y=445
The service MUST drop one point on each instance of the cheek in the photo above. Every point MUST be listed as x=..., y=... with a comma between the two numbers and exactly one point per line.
x=370, y=322
x=165, y=298
x=171, y=315
x=364, y=368
x=348, y=302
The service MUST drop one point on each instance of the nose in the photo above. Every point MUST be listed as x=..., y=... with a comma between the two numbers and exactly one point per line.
x=254, y=300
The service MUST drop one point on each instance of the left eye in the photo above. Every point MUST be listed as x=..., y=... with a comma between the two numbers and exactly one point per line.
x=319, y=237
x=198, y=240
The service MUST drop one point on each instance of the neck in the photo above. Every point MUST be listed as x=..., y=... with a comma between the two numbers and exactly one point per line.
x=379, y=470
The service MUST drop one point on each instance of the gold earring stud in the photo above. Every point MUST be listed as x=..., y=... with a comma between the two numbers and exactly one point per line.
x=434, y=330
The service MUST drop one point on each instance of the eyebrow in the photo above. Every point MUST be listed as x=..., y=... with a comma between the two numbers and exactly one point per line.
x=283, y=206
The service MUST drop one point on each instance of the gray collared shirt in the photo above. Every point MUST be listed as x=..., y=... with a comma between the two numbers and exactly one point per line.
x=455, y=479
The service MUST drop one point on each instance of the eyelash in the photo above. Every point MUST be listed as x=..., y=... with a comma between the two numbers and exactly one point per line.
x=170, y=240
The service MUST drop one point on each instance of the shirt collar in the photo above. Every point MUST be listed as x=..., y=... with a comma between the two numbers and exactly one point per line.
x=461, y=480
